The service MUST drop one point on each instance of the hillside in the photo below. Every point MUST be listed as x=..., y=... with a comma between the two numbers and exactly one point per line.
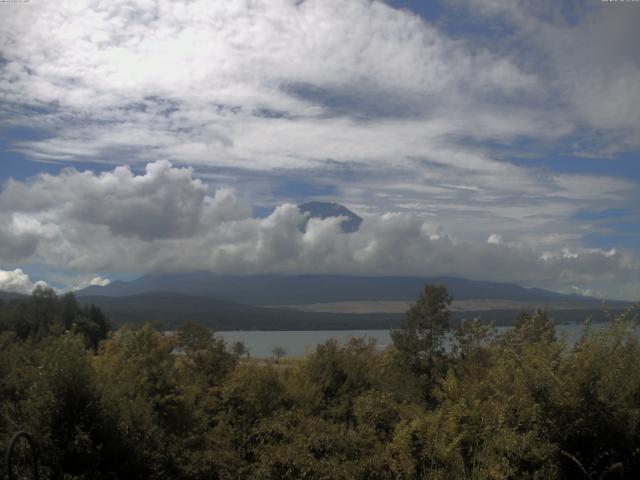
x=170, y=310
x=308, y=289
x=173, y=309
x=10, y=295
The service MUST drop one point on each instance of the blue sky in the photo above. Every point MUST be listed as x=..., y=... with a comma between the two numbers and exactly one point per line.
x=490, y=140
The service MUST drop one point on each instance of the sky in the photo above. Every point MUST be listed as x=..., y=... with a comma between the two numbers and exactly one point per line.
x=486, y=139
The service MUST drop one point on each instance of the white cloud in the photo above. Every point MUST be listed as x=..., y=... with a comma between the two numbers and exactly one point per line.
x=586, y=292
x=163, y=202
x=587, y=51
x=17, y=243
x=494, y=239
x=282, y=84
x=17, y=281
x=220, y=235
x=254, y=85
x=95, y=281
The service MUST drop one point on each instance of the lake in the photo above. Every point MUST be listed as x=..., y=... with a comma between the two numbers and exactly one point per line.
x=299, y=343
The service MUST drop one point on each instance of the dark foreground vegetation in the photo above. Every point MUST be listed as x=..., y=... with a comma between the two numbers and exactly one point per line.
x=137, y=404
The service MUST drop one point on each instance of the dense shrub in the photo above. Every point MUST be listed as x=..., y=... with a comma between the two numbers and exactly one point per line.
x=139, y=404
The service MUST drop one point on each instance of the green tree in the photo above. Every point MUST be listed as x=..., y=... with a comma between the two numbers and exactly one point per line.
x=92, y=324
x=333, y=376
x=69, y=310
x=204, y=353
x=596, y=412
x=536, y=327
x=143, y=390
x=44, y=314
x=420, y=338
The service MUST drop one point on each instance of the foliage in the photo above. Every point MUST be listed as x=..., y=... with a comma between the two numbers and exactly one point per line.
x=439, y=403
x=419, y=341
x=44, y=313
x=239, y=349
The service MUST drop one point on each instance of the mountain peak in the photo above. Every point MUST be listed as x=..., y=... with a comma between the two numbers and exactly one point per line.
x=331, y=209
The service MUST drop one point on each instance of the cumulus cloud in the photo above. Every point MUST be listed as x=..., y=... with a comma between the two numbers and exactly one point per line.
x=95, y=281
x=17, y=281
x=164, y=202
x=221, y=235
x=17, y=241
x=494, y=239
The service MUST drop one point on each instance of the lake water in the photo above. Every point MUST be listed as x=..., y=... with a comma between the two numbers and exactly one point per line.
x=299, y=343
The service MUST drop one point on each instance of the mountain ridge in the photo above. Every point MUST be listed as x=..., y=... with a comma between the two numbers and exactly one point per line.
x=170, y=310
x=273, y=289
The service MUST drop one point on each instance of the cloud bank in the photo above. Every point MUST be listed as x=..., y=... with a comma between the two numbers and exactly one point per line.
x=166, y=220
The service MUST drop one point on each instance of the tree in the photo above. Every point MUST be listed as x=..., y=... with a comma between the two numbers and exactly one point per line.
x=420, y=338
x=334, y=375
x=422, y=331
x=471, y=349
x=536, y=328
x=278, y=353
x=142, y=390
x=74, y=435
x=42, y=311
x=44, y=314
x=251, y=393
x=240, y=349
x=69, y=309
x=93, y=324
x=205, y=353
x=194, y=338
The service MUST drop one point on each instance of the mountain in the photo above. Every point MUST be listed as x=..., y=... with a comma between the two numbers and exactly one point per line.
x=308, y=289
x=11, y=295
x=173, y=309
x=326, y=210
x=320, y=210
x=313, y=302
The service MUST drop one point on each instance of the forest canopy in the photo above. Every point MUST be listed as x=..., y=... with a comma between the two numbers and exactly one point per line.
x=440, y=402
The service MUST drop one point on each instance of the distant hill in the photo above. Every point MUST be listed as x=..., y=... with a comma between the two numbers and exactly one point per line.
x=327, y=210
x=272, y=302
x=173, y=309
x=11, y=295
x=307, y=289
